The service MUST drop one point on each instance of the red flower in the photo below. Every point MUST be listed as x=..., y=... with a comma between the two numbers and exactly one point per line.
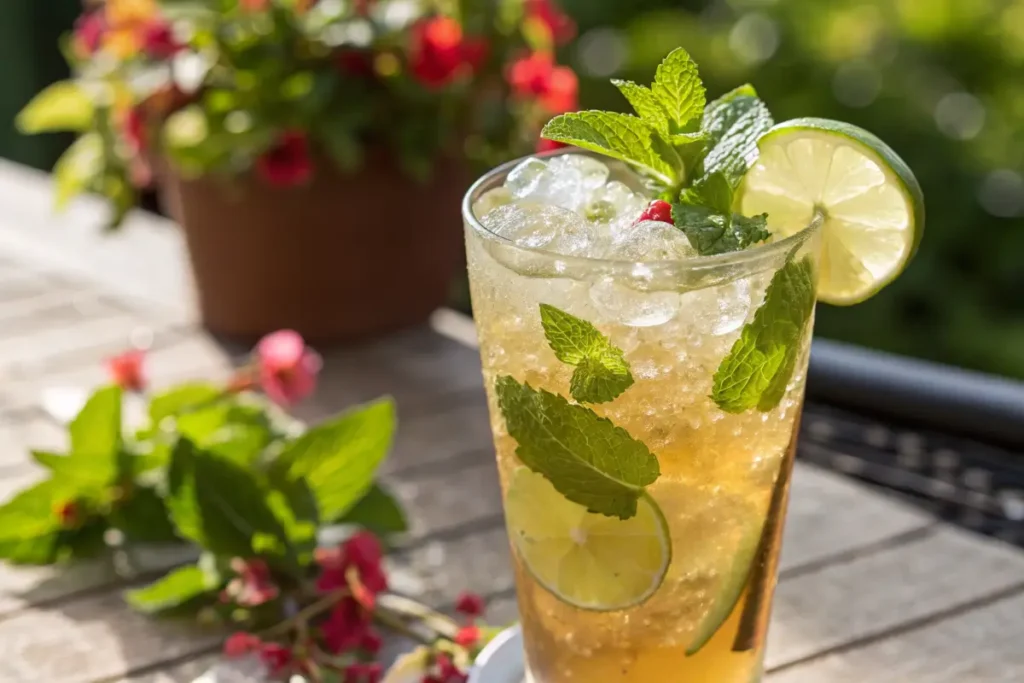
x=371, y=642
x=347, y=627
x=468, y=636
x=363, y=672
x=254, y=5
x=253, y=584
x=536, y=76
x=559, y=24
x=127, y=370
x=360, y=555
x=439, y=53
x=276, y=657
x=287, y=367
x=288, y=162
x=158, y=41
x=362, y=7
x=88, y=33
x=133, y=128
x=470, y=605
x=447, y=671
x=69, y=514
x=545, y=145
x=240, y=644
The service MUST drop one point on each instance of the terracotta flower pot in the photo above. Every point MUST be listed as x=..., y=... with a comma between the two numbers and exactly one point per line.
x=343, y=258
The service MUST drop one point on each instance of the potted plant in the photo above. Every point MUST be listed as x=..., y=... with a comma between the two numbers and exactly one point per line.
x=314, y=151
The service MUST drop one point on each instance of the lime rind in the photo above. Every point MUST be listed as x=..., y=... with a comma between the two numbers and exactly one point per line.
x=870, y=233
x=587, y=560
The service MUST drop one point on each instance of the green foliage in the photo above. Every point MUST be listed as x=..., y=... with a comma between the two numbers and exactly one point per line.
x=379, y=511
x=173, y=590
x=602, y=372
x=761, y=362
x=704, y=212
x=586, y=457
x=62, y=106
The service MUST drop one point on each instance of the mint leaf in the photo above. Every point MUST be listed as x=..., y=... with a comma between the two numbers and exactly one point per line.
x=678, y=88
x=174, y=590
x=339, y=458
x=144, y=518
x=602, y=372
x=379, y=512
x=587, y=458
x=704, y=213
x=644, y=103
x=31, y=513
x=182, y=398
x=619, y=136
x=733, y=124
x=294, y=505
x=761, y=362
x=95, y=436
x=44, y=549
x=84, y=474
x=220, y=505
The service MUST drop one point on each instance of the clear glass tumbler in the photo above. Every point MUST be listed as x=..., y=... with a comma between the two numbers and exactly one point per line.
x=681, y=589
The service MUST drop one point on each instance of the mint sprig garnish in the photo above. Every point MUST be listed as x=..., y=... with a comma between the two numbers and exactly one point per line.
x=587, y=458
x=761, y=362
x=602, y=372
x=704, y=212
x=684, y=147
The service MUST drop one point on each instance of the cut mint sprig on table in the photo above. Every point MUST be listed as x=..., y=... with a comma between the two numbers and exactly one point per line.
x=686, y=149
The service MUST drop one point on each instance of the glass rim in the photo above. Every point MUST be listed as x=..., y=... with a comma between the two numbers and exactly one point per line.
x=767, y=251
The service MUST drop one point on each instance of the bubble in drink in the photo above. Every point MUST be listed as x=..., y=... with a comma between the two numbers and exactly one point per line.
x=538, y=226
x=648, y=241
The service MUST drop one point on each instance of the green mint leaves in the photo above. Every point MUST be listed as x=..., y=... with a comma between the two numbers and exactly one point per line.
x=586, y=457
x=619, y=136
x=761, y=362
x=704, y=212
x=732, y=125
x=695, y=152
x=601, y=372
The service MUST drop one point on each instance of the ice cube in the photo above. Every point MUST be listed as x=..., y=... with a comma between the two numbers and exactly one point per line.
x=490, y=200
x=523, y=180
x=614, y=203
x=539, y=226
x=648, y=241
x=718, y=310
x=592, y=173
x=621, y=304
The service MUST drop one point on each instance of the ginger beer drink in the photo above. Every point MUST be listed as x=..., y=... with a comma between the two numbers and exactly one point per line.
x=644, y=334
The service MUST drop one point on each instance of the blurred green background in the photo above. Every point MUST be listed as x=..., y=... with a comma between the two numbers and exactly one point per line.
x=941, y=80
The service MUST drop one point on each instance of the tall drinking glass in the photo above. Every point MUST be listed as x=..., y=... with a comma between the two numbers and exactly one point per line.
x=676, y=585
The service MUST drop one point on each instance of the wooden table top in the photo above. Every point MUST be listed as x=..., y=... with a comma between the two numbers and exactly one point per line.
x=871, y=589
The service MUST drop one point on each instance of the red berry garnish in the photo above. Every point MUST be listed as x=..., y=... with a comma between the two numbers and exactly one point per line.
x=658, y=210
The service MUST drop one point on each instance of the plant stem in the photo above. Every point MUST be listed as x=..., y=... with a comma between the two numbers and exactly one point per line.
x=302, y=617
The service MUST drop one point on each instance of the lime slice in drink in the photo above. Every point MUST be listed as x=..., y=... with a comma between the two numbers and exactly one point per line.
x=587, y=560
x=871, y=203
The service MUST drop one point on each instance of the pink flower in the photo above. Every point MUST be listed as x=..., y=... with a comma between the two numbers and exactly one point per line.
x=288, y=161
x=287, y=367
x=158, y=41
x=468, y=636
x=276, y=657
x=363, y=672
x=360, y=555
x=447, y=671
x=440, y=53
x=127, y=370
x=240, y=644
x=253, y=584
x=88, y=34
x=347, y=626
x=537, y=77
x=470, y=605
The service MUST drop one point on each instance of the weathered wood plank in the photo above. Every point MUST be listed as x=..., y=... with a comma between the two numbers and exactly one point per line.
x=88, y=639
x=882, y=590
x=982, y=645
x=829, y=516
